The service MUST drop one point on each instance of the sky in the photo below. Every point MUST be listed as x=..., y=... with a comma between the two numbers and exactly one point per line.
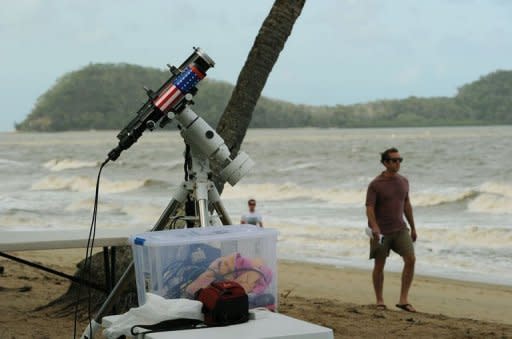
x=340, y=51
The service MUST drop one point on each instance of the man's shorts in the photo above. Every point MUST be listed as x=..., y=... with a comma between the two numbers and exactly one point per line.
x=400, y=242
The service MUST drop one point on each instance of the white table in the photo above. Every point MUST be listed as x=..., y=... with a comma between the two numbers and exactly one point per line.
x=265, y=325
x=32, y=240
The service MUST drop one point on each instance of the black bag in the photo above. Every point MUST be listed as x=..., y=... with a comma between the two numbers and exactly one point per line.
x=224, y=303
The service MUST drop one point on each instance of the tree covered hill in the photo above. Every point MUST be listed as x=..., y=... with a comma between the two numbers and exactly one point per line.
x=106, y=96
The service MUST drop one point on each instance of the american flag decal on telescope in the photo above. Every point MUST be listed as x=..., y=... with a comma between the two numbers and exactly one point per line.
x=182, y=85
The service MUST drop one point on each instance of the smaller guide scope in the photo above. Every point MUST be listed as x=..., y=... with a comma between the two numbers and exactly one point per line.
x=170, y=97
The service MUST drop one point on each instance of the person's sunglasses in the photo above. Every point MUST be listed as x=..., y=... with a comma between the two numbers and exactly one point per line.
x=252, y=204
x=395, y=160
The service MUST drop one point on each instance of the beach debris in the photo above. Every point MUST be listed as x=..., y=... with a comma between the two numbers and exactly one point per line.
x=26, y=288
x=2, y=269
x=22, y=289
x=287, y=293
x=353, y=310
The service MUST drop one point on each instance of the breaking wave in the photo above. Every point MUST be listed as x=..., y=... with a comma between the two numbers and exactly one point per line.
x=291, y=191
x=139, y=212
x=56, y=165
x=491, y=203
x=499, y=188
x=468, y=237
x=491, y=197
x=434, y=199
x=494, y=198
x=299, y=167
x=87, y=184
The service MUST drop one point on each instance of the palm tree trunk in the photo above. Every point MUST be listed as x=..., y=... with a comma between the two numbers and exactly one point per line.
x=269, y=42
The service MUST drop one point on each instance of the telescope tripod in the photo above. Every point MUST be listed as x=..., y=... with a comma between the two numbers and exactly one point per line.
x=197, y=187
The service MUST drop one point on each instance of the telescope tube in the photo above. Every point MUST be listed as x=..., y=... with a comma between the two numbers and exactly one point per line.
x=169, y=97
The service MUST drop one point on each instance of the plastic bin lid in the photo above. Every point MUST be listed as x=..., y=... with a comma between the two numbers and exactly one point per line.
x=198, y=235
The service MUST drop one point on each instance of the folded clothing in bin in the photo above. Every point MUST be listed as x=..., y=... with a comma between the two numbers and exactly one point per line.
x=185, y=279
x=250, y=273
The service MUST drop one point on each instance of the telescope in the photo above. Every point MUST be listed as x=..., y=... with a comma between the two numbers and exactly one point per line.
x=170, y=97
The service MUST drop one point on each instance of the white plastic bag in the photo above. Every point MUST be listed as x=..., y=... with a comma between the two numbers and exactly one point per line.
x=155, y=310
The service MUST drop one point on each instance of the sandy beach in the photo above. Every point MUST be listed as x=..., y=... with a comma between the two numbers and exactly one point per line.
x=337, y=298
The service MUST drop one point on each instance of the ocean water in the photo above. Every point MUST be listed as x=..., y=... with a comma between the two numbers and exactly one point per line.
x=310, y=184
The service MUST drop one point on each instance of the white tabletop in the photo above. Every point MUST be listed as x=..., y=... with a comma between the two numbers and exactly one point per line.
x=29, y=240
x=266, y=325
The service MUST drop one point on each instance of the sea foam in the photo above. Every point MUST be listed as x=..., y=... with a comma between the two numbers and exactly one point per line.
x=494, y=198
x=56, y=165
x=87, y=184
x=349, y=197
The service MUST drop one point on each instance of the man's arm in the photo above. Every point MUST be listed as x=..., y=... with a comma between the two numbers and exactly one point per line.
x=410, y=218
x=372, y=220
x=371, y=200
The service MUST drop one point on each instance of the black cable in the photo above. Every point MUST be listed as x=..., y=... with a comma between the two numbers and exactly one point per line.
x=88, y=255
x=172, y=225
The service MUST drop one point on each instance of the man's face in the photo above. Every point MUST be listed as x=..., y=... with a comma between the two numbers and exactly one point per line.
x=252, y=206
x=393, y=162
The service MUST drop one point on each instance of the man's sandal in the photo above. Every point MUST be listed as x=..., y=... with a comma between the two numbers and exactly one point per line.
x=406, y=307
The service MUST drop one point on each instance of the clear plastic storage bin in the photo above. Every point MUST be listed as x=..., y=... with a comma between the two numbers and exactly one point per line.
x=177, y=263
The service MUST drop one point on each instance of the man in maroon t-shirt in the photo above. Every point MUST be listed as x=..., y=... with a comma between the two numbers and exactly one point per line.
x=387, y=200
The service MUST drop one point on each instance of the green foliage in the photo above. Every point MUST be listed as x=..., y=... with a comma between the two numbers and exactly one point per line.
x=98, y=96
x=105, y=96
x=488, y=99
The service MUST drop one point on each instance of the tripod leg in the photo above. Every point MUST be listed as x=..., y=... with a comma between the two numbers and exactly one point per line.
x=178, y=199
x=219, y=206
x=201, y=193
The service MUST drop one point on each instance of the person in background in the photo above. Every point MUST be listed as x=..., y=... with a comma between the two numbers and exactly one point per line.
x=252, y=217
x=387, y=200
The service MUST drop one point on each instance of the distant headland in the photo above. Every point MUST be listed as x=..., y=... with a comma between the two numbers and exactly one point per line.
x=105, y=96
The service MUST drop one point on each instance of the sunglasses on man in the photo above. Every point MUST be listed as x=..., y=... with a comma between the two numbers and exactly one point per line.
x=395, y=160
